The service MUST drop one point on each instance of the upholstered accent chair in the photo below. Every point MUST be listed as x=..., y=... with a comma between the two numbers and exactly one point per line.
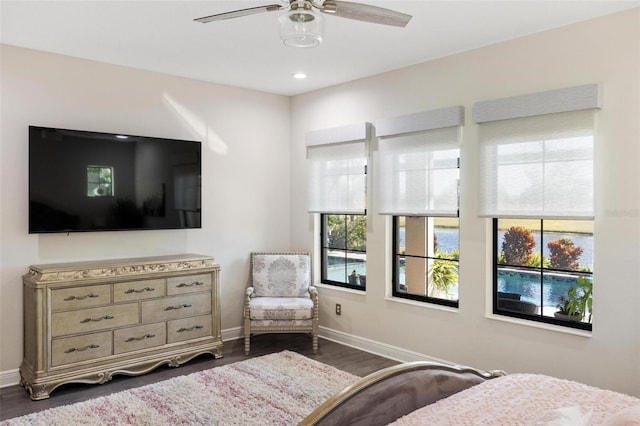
x=280, y=297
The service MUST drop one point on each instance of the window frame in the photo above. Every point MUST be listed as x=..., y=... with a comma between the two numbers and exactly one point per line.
x=539, y=317
x=324, y=248
x=395, y=292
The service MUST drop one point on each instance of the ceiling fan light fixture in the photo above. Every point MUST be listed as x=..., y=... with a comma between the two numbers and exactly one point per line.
x=301, y=26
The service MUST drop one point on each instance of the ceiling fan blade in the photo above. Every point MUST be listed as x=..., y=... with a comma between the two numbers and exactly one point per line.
x=239, y=13
x=365, y=12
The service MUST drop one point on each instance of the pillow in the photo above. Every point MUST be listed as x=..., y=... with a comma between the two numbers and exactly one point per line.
x=567, y=416
x=629, y=416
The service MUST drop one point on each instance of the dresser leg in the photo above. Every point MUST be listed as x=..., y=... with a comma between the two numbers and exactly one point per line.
x=37, y=392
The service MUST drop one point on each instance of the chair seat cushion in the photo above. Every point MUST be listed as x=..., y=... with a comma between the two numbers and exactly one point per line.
x=280, y=308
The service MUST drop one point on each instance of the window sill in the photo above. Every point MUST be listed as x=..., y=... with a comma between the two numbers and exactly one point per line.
x=540, y=325
x=342, y=289
x=417, y=303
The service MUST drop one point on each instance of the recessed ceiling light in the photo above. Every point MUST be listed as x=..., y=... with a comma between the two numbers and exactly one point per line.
x=300, y=75
x=122, y=137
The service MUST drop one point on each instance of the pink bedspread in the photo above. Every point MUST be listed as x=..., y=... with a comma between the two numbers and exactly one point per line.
x=519, y=399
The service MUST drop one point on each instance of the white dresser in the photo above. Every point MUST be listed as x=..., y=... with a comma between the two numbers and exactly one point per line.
x=85, y=322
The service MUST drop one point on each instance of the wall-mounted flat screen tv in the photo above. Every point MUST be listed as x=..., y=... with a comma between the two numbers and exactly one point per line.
x=91, y=181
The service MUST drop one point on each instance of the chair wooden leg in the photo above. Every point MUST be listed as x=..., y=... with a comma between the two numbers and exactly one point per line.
x=315, y=344
x=247, y=342
x=247, y=336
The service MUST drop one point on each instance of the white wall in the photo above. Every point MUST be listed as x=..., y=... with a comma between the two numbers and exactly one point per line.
x=245, y=168
x=604, y=50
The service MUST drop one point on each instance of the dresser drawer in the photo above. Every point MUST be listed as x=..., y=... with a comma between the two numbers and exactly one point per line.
x=176, y=307
x=88, y=320
x=80, y=297
x=188, y=284
x=138, y=290
x=188, y=328
x=70, y=350
x=141, y=337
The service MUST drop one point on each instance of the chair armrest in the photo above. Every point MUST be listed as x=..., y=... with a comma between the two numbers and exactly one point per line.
x=313, y=293
x=247, y=299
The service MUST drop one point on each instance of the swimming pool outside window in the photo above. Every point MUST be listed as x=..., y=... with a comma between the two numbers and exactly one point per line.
x=344, y=250
x=539, y=265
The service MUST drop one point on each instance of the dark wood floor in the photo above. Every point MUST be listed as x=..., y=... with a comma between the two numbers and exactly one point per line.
x=14, y=400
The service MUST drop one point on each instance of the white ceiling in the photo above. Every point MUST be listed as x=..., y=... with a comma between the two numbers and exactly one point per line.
x=247, y=52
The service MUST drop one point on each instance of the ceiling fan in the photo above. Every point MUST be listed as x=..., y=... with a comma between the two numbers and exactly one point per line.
x=301, y=25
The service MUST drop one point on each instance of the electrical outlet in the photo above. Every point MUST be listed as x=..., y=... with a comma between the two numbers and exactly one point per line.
x=338, y=309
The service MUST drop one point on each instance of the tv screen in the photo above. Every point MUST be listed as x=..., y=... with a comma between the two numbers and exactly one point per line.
x=90, y=181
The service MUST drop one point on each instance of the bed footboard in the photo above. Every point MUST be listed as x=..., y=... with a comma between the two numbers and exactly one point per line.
x=386, y=395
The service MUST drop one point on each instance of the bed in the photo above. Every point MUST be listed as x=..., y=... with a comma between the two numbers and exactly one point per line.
x=426, y=393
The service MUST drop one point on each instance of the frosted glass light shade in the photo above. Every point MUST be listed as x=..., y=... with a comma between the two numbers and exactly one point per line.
x=301, y=28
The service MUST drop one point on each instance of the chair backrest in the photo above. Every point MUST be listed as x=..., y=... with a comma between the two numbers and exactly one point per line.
x=281, y=274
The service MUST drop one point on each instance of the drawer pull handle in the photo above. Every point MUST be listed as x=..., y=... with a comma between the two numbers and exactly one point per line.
x=86, y=320
x=171, y=308
x=146, y=336
x=139, y=291
x=196, y=283
x=92, y=295
x=91, y=346
x=195, y=327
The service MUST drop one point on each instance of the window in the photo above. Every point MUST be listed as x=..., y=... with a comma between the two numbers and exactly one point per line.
x=99, y=181
x=337, y=164
x=344, y=250
x=536, y=182
x=543, y=270
x=425, y=259
x=419, y=170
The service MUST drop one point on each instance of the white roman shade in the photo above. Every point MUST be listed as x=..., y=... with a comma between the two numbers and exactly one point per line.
x=337, y=169
x=419, y=163
x=536, y=154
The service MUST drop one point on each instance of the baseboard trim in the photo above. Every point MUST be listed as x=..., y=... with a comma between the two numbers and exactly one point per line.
x=377, y=348
x=232, y=333
x=9, y=378
x=361, y=343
